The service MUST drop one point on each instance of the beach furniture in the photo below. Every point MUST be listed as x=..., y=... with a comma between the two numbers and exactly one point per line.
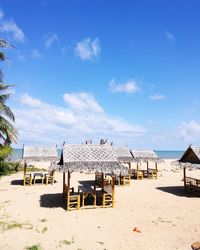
x=142, y=156
x=190, y=159
x=37, y=176
x=38, y=154
x=72, y=198
x=92, y=158
x=85, y=191
x=49, y=178
x=124, y=157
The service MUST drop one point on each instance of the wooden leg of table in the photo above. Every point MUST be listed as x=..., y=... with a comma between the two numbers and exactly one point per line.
x=103, y=200
x=95, y=199
x=83, y=200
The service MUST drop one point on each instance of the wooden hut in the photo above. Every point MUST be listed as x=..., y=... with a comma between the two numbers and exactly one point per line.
x=124, y=156
x=190, y=158
x=91, y=157
x=145, y=156
x=38, y=154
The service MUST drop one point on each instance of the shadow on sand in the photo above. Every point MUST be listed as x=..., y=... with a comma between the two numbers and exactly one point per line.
x=17, y=182
x=52, y=201
x=178, y=191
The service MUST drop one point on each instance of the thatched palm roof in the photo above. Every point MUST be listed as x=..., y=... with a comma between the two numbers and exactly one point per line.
x=123, y=154
x=141, y=155
x=40, y=153
x=90, y=158
x=190, y=158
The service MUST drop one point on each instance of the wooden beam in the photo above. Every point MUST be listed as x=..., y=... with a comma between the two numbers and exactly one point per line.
x=25, y=168
x=147, y=168
x=63, y=182
x=113, y=191
x=184, y=177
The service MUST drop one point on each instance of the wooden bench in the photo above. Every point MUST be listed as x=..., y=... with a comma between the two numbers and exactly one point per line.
x=125, y=180
x=153, y=174
x=49, y=178
x=28, y=179
x=73, y=199
x=192, y=184
x=108, y=197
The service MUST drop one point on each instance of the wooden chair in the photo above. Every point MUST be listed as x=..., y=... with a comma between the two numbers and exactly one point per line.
x=49, y=178
x=108, y=199
x=28, y=179
x=73, y=199
x=139, y=175
x=125, y=180
x=153, y=174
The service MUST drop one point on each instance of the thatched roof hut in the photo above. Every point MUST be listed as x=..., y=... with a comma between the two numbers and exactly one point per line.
x=141, y=155
x=191, y=156
x=90, y=157
x=40, y=153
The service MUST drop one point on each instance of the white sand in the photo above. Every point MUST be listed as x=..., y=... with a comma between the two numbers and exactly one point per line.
x=167, y=217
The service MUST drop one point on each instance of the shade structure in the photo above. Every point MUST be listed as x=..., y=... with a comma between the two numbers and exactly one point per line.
x=123, y=154
x=100, y=158
x=40, y=153
x=190, y=158
x=142, y=155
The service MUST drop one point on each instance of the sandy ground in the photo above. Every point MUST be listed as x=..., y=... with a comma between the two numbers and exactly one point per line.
x=167, y=217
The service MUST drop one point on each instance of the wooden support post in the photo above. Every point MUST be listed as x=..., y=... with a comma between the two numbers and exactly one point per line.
x=184, y=177
x=113, y=191
x=63, y=183
x=102, y=181
x=156, y=165
x=147, y=169
x=68, y=191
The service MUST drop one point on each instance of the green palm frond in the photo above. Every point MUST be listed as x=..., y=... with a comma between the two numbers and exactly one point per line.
x=4, y=109
x=7, y=130
x=5, y=86
x=5, y=44
x=4, y=98
x=2, y=56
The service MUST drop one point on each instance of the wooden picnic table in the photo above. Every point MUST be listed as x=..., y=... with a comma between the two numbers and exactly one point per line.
x=38, y=175
x=86, y=191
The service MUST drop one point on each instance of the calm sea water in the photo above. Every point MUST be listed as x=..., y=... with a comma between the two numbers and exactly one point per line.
x=17, y=154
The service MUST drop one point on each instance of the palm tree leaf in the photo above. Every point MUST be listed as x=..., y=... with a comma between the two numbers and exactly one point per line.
x=4, y=98
x=7, y=111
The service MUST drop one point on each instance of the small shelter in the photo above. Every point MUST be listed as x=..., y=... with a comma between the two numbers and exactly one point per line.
x=90, y=157
x=190, y=159
x=145, y=156
x=124, y=156
x=38, y=154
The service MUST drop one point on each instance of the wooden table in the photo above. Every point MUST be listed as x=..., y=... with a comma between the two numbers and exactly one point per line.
x=85, y=191
x=40, y=175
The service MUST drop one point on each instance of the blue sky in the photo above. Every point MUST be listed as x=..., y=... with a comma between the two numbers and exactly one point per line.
x=127, y=71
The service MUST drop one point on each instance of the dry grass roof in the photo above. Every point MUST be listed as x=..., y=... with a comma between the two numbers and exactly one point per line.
x=40, y=153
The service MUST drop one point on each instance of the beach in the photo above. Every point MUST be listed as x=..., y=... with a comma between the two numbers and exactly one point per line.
x=165, y=216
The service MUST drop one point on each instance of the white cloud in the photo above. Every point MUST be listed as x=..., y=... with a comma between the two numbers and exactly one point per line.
x=130, y=86
x=157, y=97
x=1, y=14
x=190, y=131
x=11, y=27
x=88, y=49
x=51, y=39
x=82, y=101
x=35, y=53
x=39, y=122
x=170, y=36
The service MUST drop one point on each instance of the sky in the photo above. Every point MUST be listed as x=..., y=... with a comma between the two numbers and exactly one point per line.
x=126, y=71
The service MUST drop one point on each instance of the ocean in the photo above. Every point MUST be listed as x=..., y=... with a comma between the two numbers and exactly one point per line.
x=163, y=154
